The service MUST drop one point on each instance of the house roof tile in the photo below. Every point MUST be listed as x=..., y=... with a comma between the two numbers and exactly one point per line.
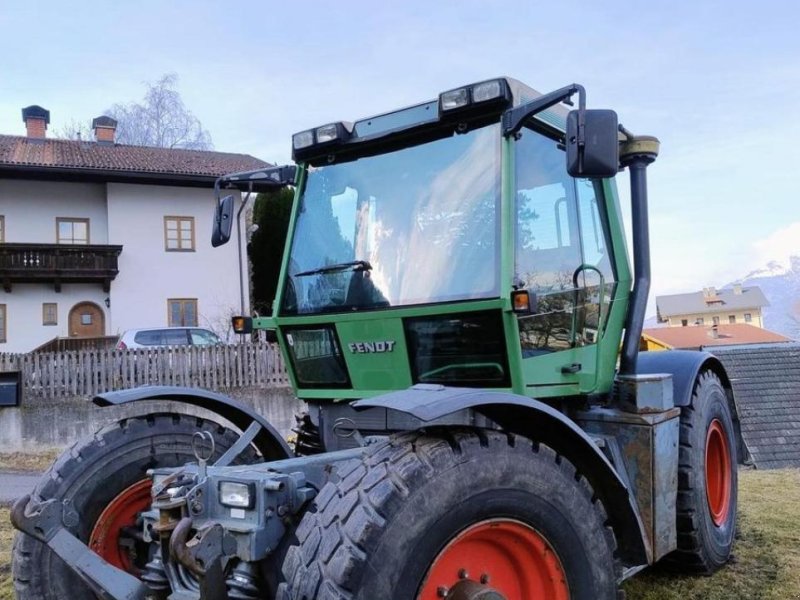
x=695, y=337
x=766, y=388
x=18, y=151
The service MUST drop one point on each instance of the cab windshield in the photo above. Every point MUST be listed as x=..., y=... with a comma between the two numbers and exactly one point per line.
x=415, y=226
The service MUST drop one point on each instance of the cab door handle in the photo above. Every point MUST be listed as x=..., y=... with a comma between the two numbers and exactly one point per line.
x=571, y=369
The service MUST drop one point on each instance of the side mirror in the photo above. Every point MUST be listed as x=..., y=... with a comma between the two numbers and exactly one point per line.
x=223, y=222
x=599, y=156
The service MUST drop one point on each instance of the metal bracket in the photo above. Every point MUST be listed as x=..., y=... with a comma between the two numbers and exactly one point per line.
x=514, y=118
x=240, y=446
x=44, y=522
x=206, y=555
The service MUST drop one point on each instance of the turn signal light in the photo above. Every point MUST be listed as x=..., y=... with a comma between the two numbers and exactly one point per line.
x=242, y=324
x=521, y=301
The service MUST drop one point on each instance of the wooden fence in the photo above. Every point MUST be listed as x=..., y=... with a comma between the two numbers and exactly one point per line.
x=89, y=372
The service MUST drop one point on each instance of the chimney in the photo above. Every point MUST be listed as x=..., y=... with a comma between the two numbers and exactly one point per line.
x=714, y=333
x=36, y=120
x=709, y=293
x=104, y=129
x=737, y=289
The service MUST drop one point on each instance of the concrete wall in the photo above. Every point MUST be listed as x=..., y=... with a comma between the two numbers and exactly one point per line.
x=38, y=424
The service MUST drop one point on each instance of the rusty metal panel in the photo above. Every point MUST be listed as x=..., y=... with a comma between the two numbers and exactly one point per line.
x=647, y=446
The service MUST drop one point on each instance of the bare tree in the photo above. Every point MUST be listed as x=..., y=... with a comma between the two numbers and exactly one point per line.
x=75, y=130
x=161, y=119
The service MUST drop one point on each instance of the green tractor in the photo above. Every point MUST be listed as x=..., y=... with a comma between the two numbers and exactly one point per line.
x=458, y=310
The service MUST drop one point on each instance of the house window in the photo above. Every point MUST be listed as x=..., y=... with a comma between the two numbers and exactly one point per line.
x=179, y=234
x=182, y=312
x=700, y=321
x=49, y=313
x=748, y=318
x=731, y=318
x=2, y=323
x=2, y=228
x=72, y=231
x=716, y=320
x=684, y=322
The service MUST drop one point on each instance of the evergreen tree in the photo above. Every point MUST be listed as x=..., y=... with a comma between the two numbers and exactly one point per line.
x=271, y=213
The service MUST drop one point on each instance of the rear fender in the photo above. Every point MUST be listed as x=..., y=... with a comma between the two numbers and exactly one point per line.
x=268, y=441
x=684, y=366
x=541, y=423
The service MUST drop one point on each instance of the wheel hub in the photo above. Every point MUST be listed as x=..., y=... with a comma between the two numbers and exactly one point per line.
x=114, y=536
x=467, y=589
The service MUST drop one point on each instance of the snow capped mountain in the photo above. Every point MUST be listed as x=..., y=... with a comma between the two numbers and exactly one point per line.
x=780, y=282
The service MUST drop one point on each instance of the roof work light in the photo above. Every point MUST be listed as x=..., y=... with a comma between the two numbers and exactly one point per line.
x=477, y=93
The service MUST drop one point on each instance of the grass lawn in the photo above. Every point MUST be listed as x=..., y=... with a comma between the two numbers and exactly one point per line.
x=28, y=461
x=766, y=563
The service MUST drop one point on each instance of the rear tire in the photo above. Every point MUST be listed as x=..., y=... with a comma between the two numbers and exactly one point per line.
x=707, y=480
x=104, y=472
x=392, y=526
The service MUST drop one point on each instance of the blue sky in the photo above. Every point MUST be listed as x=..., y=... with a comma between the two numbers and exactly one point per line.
x=717, y=82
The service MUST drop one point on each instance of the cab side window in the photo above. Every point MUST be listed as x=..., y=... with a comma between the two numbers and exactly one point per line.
x=548, y=250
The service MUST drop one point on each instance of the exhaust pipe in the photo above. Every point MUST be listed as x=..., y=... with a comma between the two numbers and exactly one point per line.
x=637, y=153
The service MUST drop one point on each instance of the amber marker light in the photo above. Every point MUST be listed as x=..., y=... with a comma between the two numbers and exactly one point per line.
x=242, y=324
x=521, y=301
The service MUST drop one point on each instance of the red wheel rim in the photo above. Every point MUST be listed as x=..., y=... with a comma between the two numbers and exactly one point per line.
x=120, y=513
x=718, y=473
x=508, y=556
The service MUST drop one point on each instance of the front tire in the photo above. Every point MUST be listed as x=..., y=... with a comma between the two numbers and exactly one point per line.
x=103, y=483
x=707, y=480
x=427, y=513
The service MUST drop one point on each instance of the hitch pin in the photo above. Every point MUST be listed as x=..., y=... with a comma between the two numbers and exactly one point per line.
x=346, y=428
x=203, y=447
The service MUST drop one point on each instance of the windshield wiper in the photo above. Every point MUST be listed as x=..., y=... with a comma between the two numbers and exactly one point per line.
x=355, y=265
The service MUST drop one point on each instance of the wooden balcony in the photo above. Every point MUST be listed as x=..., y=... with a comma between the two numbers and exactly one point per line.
x=57, y=264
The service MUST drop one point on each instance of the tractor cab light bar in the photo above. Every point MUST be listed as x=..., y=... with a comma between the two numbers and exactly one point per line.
x=329, y=134
x=479, y=93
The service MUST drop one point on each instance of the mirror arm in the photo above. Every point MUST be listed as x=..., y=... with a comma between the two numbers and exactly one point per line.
x=268, y=178
x=514, y=118
x=239, y=248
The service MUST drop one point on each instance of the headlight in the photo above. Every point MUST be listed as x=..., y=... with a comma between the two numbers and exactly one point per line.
x=239, y=495
x=327, y=133
x=454, y=99
x=489, y=90
x=304, y=139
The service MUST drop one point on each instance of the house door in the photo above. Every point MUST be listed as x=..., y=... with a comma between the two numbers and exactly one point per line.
x=86, y=319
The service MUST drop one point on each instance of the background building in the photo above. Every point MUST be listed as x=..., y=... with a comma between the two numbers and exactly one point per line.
x=713, y=307
x=699, y=338
x=97, y=237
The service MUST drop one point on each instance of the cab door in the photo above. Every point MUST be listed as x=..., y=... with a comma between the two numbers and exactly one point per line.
x=561, y=257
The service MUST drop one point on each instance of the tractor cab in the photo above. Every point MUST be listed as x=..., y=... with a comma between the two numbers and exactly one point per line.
x=447, y=243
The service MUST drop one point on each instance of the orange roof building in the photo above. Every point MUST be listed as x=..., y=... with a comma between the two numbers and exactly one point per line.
x=698, y=337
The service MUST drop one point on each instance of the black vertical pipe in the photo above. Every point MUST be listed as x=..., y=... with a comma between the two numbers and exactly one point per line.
x=637, y=164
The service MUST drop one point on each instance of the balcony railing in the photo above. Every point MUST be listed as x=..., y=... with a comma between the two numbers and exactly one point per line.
x=58, y=264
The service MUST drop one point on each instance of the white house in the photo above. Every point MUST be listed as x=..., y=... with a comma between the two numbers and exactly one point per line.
x=98, y=237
